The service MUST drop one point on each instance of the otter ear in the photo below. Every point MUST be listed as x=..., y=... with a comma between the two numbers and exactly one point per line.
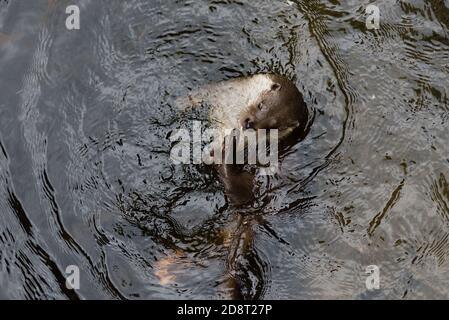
x=275, y=87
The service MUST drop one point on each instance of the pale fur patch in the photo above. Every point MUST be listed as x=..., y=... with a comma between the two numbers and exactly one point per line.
x=228, y=100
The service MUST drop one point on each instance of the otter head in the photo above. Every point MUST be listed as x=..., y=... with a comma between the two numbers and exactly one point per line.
x=280, y=106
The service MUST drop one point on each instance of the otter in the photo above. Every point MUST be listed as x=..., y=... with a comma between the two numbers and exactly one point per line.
x=261, y=101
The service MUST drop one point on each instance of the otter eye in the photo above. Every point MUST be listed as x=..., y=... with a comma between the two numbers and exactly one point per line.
x=261, y=106
x=275, y=87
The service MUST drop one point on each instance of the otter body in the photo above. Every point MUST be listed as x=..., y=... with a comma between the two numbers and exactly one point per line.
x=261, y=101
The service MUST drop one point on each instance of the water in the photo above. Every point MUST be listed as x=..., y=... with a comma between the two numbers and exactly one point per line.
x=86, y=180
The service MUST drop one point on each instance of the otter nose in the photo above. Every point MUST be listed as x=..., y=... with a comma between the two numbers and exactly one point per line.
x=249, y=124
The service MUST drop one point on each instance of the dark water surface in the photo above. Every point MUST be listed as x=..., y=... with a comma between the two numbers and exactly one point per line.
x=85, y=175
